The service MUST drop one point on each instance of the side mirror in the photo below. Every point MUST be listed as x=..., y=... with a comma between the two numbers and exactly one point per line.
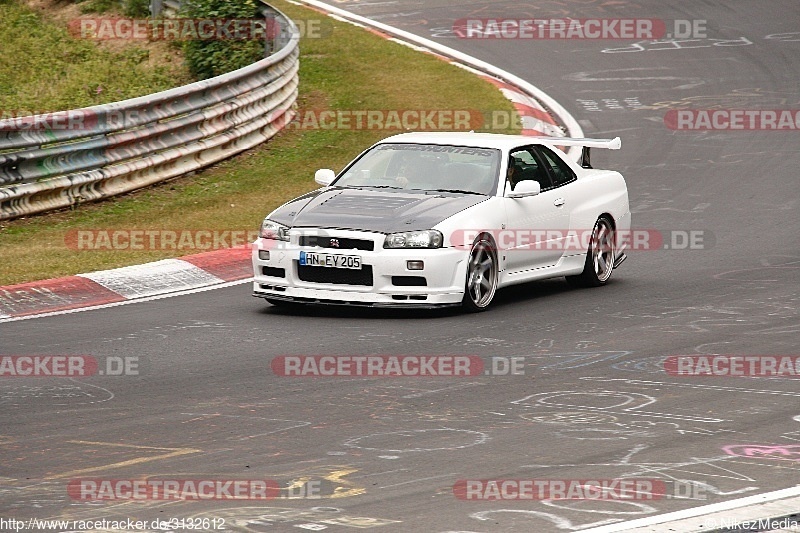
x=525, y=188
x=324, y=176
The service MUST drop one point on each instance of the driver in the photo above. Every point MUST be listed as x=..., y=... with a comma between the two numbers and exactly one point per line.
x=419, y=170
x=403, y=172
x=514, y=173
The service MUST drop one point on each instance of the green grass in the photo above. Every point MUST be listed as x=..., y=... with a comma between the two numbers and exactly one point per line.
x=44, y=68
x=350, y=69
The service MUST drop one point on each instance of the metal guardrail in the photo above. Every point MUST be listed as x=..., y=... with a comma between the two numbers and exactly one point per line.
x=105, y=150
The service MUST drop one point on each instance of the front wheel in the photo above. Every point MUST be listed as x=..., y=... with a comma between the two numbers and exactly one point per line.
x=599, y=256
x=482, y=271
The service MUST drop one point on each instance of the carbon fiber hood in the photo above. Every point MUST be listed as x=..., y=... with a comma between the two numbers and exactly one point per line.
x=372, y=209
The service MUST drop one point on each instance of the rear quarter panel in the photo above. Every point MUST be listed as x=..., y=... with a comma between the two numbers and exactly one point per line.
x=596, y=192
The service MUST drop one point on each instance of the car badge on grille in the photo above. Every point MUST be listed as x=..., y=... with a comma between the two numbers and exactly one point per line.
x=334, y=243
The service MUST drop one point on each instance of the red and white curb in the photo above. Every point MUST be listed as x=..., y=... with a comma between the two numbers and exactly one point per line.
x=168, y=277
x=221, y=268
x=536, y=120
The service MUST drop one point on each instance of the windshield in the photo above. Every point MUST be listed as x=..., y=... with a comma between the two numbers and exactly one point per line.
x=425, y=167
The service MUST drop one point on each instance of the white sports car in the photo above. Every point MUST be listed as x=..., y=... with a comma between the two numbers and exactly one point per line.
x=438, y=219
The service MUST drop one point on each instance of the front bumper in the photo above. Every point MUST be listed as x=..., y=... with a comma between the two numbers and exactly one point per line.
x=383, y=281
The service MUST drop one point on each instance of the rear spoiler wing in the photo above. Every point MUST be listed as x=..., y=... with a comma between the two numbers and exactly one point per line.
x=585, y=161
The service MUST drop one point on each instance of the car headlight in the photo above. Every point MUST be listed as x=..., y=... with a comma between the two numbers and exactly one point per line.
x=273, y=230
x=414, y=239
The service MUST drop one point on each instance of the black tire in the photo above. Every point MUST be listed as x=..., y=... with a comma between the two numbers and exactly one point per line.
x=482, y=273
x=599, y=256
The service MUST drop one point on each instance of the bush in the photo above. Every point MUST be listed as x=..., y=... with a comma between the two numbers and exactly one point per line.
x=136, y=8
x=97, y=6
x=130, y=8
x=207, y=59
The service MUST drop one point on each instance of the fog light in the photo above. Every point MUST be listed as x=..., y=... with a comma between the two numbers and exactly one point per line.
x=415, y=265
x=263, y=255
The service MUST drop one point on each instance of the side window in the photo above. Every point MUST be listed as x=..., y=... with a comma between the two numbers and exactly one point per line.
x=560, y=171
x=524, y=157
x=525, y=166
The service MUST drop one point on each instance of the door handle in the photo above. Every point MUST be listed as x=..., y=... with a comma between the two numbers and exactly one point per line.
x=558, y=202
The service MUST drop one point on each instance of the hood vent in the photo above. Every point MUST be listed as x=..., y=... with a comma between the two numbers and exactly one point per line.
x=356, y=203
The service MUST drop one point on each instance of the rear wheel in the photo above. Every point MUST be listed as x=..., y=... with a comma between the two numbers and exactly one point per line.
x=599, y=256
x=482, y=269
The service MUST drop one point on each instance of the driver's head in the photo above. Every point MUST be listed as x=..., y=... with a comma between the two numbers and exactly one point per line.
x=513, y=172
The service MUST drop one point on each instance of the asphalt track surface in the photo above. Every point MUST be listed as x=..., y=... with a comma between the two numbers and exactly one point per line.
x=594, y=401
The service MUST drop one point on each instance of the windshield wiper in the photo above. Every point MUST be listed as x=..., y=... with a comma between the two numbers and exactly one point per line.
x=456, y=190
x=367, y=187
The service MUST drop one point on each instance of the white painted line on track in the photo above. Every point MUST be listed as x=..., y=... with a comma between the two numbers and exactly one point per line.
x=707, y=518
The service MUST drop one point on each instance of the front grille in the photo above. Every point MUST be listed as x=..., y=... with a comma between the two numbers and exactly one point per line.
x=336, y=276
x=344, y=243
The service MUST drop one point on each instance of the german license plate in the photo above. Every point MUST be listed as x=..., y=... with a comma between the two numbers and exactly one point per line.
x=330, y=260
